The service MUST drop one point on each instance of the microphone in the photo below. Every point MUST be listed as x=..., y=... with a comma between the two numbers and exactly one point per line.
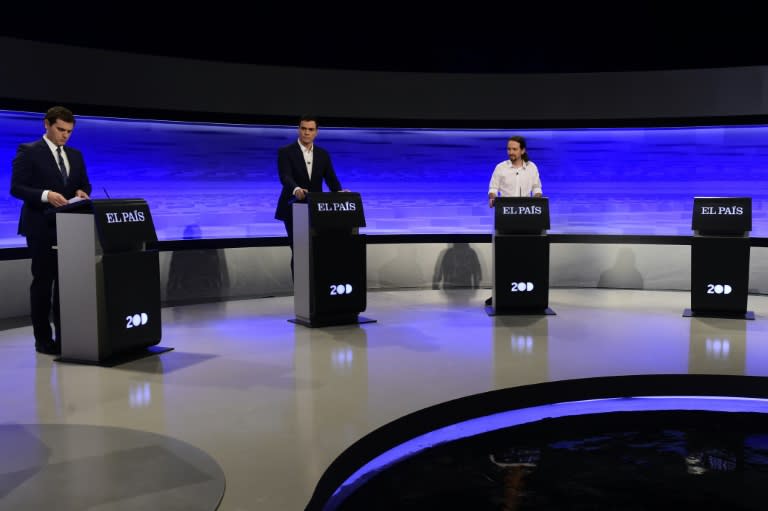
x=105, y=193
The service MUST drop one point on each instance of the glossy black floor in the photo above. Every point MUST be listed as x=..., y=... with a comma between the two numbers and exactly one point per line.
x=628, y=461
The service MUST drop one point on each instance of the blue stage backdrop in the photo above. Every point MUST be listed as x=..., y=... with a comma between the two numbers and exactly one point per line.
x=220, y=181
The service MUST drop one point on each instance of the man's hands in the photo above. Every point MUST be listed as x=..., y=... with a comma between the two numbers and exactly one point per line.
x=492, y=198
x=301, y=193
x=56, y=199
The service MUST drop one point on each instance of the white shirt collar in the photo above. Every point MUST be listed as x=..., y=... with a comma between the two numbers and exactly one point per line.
x=51, y=145
x=304, y=148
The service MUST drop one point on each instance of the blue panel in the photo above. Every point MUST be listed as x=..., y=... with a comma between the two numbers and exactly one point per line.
x=220, y=181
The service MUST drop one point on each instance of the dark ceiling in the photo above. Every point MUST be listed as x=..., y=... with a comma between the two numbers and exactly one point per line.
x=470, y=38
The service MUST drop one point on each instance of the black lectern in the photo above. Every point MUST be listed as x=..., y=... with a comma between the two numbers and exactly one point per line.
x=109, y=283
x=329, y=285
x=720, y=257
x=520, y=256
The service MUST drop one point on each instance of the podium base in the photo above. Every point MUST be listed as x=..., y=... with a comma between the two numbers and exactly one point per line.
x=121, y=358
x=519, y=312
x=332, y=321
x=690, y=313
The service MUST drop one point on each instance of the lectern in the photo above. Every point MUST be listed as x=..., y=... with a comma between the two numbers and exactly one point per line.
x=329, y=285
x=720, y=257
x=520, y=256
x=109, y=283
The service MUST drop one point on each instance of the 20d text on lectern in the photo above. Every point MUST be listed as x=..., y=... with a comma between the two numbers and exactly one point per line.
x=109, y=283
x=520, y=256
x=329, y=260
x=720, y=257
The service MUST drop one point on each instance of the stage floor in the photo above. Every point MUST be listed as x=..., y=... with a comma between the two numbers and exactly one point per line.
x=274, y=403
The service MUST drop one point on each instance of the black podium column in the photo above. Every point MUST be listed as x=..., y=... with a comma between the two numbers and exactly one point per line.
x=109, y=283
x=720, y=257
x=330, y=281
x=520, y=256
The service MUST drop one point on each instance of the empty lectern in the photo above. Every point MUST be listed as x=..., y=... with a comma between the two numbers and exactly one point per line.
x=720, y=257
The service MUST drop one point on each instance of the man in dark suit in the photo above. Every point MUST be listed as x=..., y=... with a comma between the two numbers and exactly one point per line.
x=46, y=175
x=302, y=167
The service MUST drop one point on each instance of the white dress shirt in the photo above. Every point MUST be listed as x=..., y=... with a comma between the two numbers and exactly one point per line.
x=509, y=181
x=308, y=154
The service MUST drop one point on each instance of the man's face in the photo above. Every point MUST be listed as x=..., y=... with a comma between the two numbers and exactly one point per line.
x=58, y=132
x=514, y=151
x=307, y=132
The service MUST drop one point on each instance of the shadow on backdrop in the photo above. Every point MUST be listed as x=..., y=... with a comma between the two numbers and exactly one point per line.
x=457, y=267
x=195, y=275
x=623, y=274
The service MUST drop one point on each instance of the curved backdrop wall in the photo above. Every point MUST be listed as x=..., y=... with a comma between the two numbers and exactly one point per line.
x=98, y=77
x=206, y=180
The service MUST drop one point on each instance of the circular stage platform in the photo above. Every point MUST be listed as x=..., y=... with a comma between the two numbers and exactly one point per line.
x=71, y=468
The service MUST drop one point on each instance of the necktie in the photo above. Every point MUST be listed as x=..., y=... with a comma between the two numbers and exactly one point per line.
x=62, y=167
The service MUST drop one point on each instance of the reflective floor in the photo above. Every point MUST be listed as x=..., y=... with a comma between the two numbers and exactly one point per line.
x=273, y=403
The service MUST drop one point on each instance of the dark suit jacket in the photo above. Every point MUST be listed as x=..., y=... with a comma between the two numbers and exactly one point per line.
x=293, y=173
x=35, y=169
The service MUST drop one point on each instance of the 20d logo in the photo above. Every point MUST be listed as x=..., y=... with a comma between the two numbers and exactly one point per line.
x=521, y=287
x=341, y=289
x=136, y=320
x=719, y=289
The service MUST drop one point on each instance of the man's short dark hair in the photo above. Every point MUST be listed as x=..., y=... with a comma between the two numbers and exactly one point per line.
x=309, y=118
x=59, y=112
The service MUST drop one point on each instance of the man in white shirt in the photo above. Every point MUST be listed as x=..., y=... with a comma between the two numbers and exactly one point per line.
x=516, y=177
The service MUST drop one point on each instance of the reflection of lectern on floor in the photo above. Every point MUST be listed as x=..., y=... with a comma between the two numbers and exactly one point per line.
x=520, y=256
x=109, y=284
x=720, y=257
x=329, y=286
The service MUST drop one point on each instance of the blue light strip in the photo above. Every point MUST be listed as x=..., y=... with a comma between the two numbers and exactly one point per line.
x=204, y=180
x=498, y=421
